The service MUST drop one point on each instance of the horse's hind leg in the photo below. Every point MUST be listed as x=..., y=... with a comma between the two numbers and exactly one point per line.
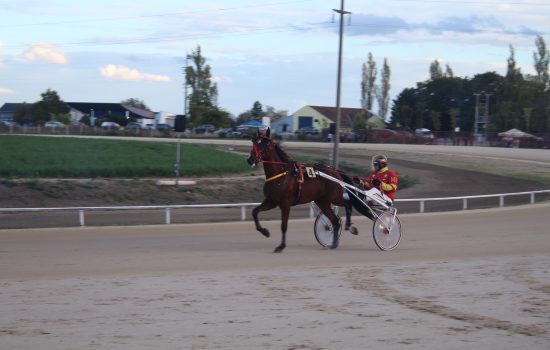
x=348, y=226
x=266, y=205
x=335, y=220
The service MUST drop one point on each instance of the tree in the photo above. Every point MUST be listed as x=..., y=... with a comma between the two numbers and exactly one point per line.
x=383, y=94
x=358, y=123
x=448, y=72
x=512, y=73
x=435, y=70
x=204, y=92
x=368, y=87
x=135, y=102
x=403, y=110
x=513, y=100
x=23, y=114
x=541, y=58
x=49, y=106
x=274, y=114
x=244, y=117
x=257, y=111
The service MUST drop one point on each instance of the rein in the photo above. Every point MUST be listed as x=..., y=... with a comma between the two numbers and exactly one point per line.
x=274, y=162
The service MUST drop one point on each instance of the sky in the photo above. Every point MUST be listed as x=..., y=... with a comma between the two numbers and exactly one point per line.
x=282, y=53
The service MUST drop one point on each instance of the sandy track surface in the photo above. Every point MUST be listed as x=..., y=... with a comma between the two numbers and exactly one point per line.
x=473, y=279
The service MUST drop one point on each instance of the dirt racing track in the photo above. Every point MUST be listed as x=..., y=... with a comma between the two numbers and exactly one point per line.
x=468, y=279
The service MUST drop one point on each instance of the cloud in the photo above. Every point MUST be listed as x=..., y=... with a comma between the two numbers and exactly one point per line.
x=375, y=25
x=45, y=52
x=6, y=91
x=118, y=72
x=368, y=24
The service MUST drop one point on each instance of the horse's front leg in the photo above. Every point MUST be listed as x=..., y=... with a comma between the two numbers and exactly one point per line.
x=285, y=212
x=266, y=205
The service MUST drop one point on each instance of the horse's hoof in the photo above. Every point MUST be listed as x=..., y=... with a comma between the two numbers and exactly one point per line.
x=353, y=230
x=335, y=242
x=264, y=232
x=278, y=249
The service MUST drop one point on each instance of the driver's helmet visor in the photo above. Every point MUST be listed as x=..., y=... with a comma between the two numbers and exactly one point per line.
x=378, y=163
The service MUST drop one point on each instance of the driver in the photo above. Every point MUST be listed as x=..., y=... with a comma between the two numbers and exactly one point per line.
x=381, y=177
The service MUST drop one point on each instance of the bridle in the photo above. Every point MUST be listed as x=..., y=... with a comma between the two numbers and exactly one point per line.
x=257, y=152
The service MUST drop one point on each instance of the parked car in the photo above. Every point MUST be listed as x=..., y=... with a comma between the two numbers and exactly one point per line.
x=53, y=124
x=204, y=128
x=382, y=134
x=349, y=136
x=164, y=126
x=8, y=123
x=77, y=124
x=110, y=125
x=424, y=133
x=133, y=126
x=307, y=130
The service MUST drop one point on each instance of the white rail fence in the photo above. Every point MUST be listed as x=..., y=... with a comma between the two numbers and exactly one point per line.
x=243, y=206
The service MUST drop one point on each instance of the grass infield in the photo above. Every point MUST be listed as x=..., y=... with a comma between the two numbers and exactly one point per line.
x=46, y=157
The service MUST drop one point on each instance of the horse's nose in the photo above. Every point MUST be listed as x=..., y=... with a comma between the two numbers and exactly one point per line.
x=250, y=160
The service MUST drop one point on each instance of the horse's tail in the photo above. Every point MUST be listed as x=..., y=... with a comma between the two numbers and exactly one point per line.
x=355, y=198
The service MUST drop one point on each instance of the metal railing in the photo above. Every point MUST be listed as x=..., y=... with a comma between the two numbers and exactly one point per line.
x=243, y=206
x=464, y=199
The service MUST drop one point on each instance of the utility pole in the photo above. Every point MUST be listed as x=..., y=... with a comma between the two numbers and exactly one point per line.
x=336, y=137
x=185, y=86
x=178, y=153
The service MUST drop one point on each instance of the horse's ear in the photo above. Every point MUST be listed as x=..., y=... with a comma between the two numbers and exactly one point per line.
x=267, y=132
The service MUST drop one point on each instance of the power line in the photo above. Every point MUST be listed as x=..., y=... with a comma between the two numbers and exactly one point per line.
x=271, y=30
x=180, y=37
x=169, y=14
x=490, y=3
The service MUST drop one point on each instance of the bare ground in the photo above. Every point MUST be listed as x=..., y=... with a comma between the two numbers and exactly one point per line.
x=433, y=177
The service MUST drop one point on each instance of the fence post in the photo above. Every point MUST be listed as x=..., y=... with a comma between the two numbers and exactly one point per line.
x=464, y=203
x=168, y=216
x=421, y=206
x=532, y=197
x=243, y=212
x=81, y=217
x=501, y=201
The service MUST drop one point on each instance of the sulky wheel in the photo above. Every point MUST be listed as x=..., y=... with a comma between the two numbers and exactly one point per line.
x=323, y=229
x=386, y=231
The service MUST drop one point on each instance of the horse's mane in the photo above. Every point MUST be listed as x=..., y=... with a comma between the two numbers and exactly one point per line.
x=282, y=154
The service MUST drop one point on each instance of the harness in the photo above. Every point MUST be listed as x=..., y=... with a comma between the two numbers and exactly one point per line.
x=276, y=176
x=297, y=171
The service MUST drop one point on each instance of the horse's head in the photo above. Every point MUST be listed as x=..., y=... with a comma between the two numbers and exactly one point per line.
x=262, y=145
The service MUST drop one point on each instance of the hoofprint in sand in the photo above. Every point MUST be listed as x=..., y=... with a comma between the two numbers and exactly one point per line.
x=475, y=279
x=502, y=302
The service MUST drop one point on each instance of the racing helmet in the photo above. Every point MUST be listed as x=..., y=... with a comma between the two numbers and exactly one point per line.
x=379, y=161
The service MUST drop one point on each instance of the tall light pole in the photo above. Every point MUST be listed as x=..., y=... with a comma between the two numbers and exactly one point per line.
x=476, y=120
x=336, y=137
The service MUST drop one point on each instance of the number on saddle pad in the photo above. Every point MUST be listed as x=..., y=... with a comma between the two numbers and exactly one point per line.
x=310, y=172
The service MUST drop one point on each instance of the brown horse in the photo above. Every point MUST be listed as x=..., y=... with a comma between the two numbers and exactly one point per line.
x=287, y=184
